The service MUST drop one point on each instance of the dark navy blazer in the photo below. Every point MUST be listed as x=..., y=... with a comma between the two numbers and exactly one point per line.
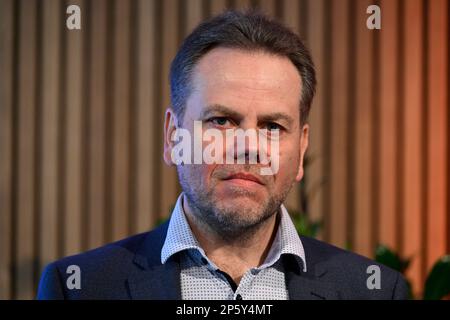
x=132, y=269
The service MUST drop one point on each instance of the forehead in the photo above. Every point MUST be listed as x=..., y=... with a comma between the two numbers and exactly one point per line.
x=249, y=81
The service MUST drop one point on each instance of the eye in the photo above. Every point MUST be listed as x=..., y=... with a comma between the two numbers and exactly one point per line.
x=271, y=126
x=220, y=121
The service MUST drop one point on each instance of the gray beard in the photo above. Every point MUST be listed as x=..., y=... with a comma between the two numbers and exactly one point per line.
x=231, y=225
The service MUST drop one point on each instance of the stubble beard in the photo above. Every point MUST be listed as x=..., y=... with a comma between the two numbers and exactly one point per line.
x=231, y=224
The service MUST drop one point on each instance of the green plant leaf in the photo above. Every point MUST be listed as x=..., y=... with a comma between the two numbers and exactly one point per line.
x=160, y=221
x=304, y=226
x=391, y=259
x=437, y=285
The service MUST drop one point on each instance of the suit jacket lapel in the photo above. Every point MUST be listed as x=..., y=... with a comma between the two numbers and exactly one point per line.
x=307, y=285
x=158, y=283
x=151, y=279
x=302, y=288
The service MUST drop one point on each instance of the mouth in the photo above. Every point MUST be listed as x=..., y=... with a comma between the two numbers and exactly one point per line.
x=243, y=178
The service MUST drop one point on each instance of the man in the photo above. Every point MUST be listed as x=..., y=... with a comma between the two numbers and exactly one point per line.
x=229, y=236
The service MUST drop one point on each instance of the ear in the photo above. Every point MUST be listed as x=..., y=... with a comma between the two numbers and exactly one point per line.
x=170, y=125
x=304, y=140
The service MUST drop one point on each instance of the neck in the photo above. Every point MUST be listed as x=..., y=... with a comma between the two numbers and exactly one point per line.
x=234, y=256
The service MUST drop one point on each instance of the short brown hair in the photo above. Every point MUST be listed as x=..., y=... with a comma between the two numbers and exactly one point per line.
x=241, y=30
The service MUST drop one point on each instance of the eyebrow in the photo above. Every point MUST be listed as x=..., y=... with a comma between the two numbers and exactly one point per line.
x=223, y=110
x=227, y=111
x=276, y=116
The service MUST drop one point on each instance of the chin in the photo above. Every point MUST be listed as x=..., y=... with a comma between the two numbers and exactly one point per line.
x=241, y=196
x=241, y=204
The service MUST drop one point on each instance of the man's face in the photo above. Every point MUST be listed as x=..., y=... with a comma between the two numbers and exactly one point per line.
x=248, y=90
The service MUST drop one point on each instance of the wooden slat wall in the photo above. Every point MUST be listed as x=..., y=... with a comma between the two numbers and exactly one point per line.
x=146, y=96
x=81, y=125
x=96, y=123
x=388, y=168
x=291, y=17
x=170, y=29
x=437, y=217
x=413, y=130
x=339, y=186
x=49, y=183
x=24, y=187
x=361, y=138
x=7, y=45
x=314, y=173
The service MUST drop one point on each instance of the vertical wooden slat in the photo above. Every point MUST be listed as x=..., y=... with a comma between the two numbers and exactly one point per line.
x=97, y=125
x=193, y=15
x=388, y=123
x=437, y=103
x=146, y=112
x=73, y=147
x=241, y=4
x=50, y=115
x=24, y=229
x=364, y=115
x=267, y=7
x=121, y=136
x=217, y=6
x=291, y=14
x=6, y=140
x=413, y=130
x=290, y=17
x=315, y=174
x=133, y=129
x=339, y=123
x=169, y=184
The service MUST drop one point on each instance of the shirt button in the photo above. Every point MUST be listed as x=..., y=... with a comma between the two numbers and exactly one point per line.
x=238, y=297
x=254, y=272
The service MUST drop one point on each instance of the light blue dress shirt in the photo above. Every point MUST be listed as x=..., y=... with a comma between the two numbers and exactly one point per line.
x=201, y=279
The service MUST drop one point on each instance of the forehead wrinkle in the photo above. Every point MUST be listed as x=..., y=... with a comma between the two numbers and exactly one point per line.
x=262, y=73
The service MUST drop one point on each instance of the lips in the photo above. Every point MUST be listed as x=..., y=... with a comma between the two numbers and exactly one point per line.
x=244, y=176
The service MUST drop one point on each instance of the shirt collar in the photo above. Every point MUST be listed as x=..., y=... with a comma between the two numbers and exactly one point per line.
x=180, y=237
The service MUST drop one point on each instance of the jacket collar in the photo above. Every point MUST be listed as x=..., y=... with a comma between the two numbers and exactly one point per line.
x=308, y=285
x=180, y=237
x=153, y=280
x=156, y=281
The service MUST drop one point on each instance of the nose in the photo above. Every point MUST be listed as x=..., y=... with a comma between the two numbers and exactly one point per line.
x=245, y=145
x=248, y=156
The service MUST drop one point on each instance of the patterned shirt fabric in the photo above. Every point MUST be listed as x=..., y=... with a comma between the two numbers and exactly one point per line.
x=201, y=279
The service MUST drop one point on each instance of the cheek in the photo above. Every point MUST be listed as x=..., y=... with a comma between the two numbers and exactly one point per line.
x=199, y=174
x=286, y=175
x=289, y=162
